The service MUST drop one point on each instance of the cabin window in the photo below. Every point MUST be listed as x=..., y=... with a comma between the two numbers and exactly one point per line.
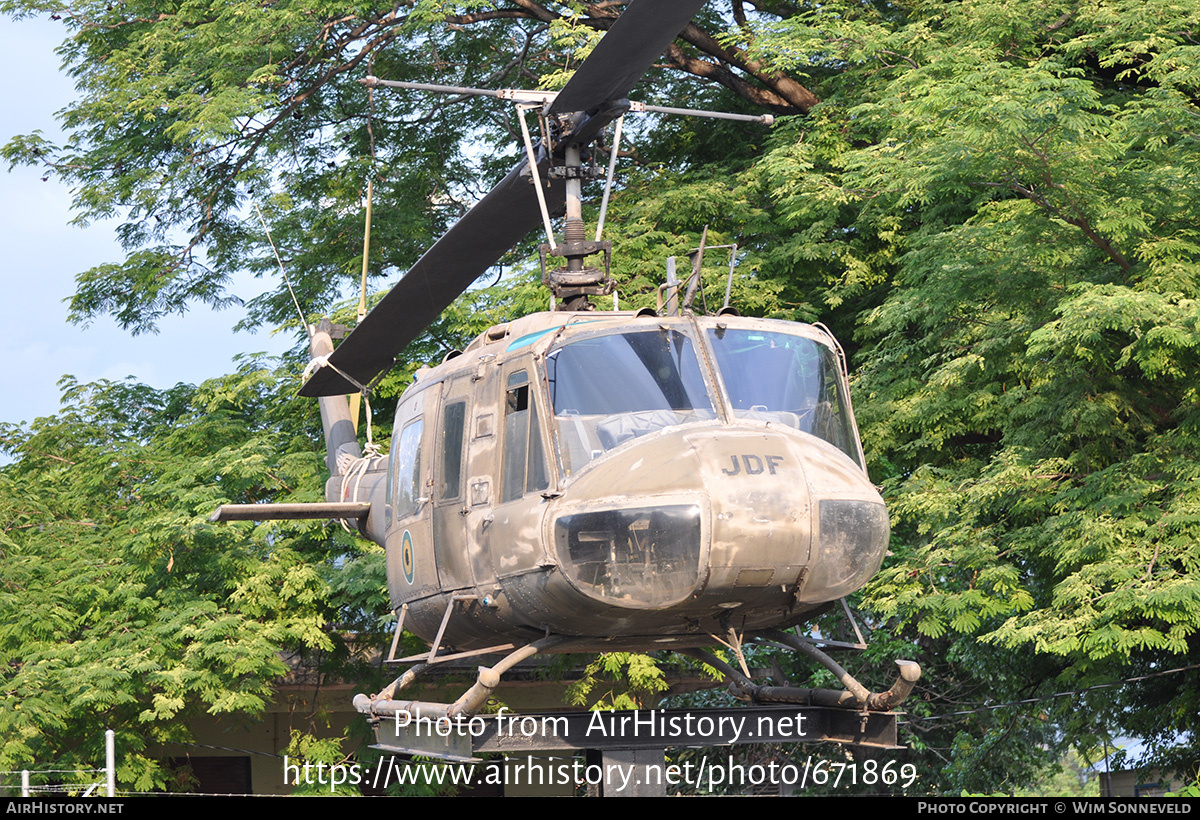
x=453, y=426
x=608, y=390
x=524, y=459
x=785, y=379
x=408, y=470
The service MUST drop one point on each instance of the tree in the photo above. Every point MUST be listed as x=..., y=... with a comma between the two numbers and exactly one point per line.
x=122, y=607
x=187, y=113
x=990, y=203
x=1026, y=382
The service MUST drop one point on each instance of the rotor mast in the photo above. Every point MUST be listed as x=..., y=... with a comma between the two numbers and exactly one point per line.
x=573, y=228
x=573, y=284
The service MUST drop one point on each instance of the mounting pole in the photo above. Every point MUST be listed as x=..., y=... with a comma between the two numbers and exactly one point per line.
x=110, y=762
x=672, y=288
x=573, y=229
x=356, y=398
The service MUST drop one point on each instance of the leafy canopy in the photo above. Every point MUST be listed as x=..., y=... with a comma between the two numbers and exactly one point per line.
x=122, y=607
x=991, y=203
x=1019, y=178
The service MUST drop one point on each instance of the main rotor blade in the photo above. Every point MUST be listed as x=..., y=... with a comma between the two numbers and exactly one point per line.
x=509, y=211
x=474, y=244
x=639, y=37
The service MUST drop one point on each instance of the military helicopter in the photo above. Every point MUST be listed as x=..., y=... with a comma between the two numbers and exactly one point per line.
x=581, y=480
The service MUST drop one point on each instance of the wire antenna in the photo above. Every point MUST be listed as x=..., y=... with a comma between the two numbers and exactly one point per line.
x=282, y=270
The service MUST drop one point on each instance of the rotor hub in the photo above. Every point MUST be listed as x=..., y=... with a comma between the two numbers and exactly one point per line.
x=572, y=285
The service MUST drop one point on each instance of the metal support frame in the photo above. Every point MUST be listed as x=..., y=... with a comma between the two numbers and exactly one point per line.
x=424, y=657
x=457, y=731
x=437, y=639
x=401, y=614
x=384, y=705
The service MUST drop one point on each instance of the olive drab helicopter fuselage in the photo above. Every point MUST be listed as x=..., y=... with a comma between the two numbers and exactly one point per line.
x=613, y=477
x=580, y=480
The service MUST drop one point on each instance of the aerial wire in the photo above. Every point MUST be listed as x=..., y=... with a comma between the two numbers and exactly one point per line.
x=283, y=270
x=1053, y=696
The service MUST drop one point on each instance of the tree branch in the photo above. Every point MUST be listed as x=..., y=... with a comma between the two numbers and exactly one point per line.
x=794, y=95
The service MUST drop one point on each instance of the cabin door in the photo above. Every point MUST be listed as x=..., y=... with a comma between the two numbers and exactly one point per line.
x=450, y=481
x=515, y=537
x=411, y=566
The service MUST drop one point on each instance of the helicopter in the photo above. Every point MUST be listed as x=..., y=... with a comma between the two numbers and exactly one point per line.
x=580, y=480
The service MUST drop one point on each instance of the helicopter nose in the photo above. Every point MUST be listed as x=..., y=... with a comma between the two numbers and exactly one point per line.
x=761, y=509
x=718, y=518
x=788, y=510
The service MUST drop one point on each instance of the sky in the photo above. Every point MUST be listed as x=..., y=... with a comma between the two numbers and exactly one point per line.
x=42, y=253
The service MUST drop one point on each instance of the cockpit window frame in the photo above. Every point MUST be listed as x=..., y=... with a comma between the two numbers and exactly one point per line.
x=571, y=334
x=536, y=471
x=816, y=335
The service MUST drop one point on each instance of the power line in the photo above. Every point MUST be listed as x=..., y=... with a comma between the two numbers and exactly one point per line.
x=225, y=749
x=1054, y=696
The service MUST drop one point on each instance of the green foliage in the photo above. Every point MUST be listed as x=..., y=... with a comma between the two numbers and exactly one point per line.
x=1025, y=384
x=123, y=607
x=619, y=680
x=992, y=204
x=1191, y=790
x=315, y=751
x=995, y=201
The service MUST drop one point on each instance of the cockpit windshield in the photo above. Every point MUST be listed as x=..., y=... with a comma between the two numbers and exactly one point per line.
x=785, y=379
x=607, y=390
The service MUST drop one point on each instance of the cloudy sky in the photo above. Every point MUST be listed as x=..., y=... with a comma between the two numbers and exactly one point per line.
x=42, y=253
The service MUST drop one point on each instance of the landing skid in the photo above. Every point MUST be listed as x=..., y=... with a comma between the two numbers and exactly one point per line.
x=456, y=731
x=855, y=696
